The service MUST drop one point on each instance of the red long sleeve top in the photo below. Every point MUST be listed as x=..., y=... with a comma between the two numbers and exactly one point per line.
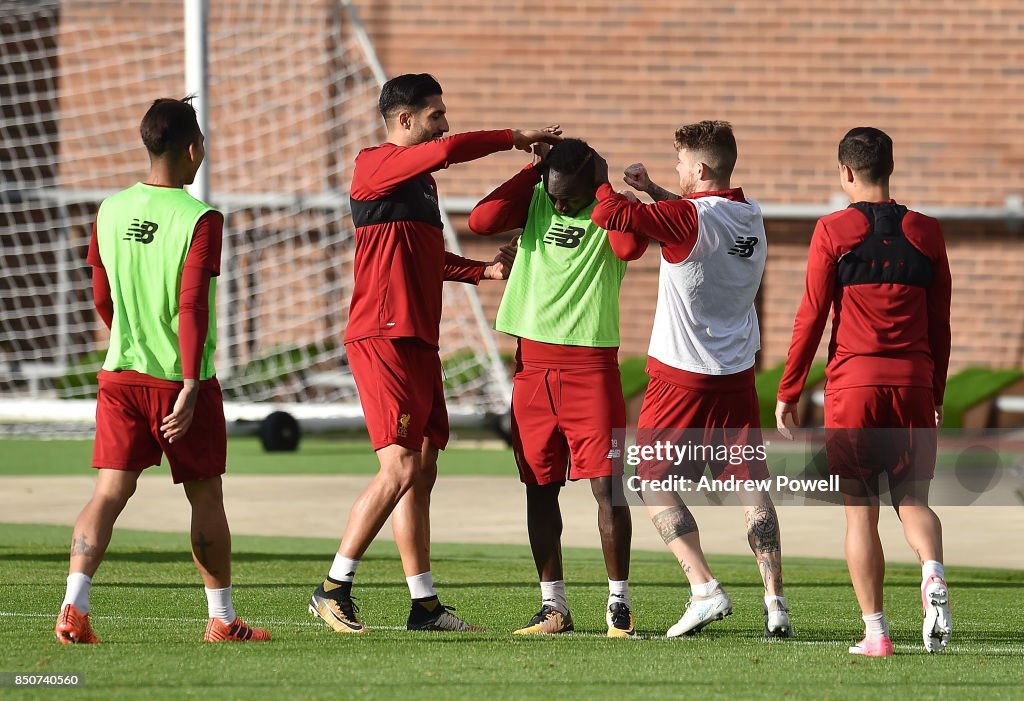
x=883, y=333
x=400, y=259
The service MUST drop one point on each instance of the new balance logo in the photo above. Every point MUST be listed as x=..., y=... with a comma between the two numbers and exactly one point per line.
x=564, y=236
x=141, y=231
x=744, y=247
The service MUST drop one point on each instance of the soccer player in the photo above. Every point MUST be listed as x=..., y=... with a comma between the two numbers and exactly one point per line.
x=883, y=271
x=701, y=357
x=155, y=254
x=562, y=304
x=393, y=335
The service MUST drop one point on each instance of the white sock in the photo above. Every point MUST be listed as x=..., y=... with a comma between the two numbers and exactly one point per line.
x=769, y=600
x=77, y=592
x=218, y=604
x=553, y=594
x=875, y=625
x=705, y=589
x=421, y=586
x=932, y=567
x=343, y=569
x=618, y=592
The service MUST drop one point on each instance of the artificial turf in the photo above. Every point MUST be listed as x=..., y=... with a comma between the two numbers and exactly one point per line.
x=148, y=608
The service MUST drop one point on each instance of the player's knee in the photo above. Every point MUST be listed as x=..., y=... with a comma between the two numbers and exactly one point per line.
x=205, y=492
x=426, y=476
x=602, y=490
x=543, y=494
x=114, y=497
x=401, y=474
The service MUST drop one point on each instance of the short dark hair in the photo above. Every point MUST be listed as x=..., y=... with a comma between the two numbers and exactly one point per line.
x=571, y=157
x=714, y=141
x=409, y=90
x=867, y=152
x=170, y=125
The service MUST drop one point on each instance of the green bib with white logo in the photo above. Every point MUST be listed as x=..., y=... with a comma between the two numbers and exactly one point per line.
x=144, y=234
x=564, y=285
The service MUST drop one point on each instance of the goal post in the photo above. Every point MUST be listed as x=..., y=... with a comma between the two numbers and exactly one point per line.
x=291, y=99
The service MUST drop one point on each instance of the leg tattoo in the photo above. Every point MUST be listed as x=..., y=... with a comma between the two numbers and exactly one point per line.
x=674, y=523
x=763, y=530
x=763, y=535
x=80, y=547
x=199, y=548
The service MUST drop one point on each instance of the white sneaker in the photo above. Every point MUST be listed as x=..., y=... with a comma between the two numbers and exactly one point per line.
x=776, y=622
x=938, y=622
x=700, y=611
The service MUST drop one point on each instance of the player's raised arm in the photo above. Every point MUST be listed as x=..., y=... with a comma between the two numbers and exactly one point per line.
x=507, y=206
x=416, y=119
x=384, y=168
x=637, y=177
x=672, y=222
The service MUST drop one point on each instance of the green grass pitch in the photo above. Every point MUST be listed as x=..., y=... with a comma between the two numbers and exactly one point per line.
x=149, y=609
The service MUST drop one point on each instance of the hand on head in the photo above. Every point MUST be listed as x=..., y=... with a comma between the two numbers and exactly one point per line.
x=524, y=139
x=600, y=169
x=540, y=152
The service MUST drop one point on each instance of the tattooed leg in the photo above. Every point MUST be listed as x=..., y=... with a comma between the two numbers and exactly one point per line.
x=211, y=538
x=679, y=531
x=765, y=543
x=95, y=523
x=674, y=522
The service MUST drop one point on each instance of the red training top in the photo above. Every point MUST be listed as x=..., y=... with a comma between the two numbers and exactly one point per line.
x=890, y=297
x=201, y=263
x=400, y=259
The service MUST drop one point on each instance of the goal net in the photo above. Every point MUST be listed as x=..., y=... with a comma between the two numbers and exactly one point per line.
x=292, y=99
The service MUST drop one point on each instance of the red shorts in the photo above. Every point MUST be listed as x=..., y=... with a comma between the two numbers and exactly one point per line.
x=881, y=429
x=566, y=403
x=401, y=390
x=715, y=420
x=128, y=437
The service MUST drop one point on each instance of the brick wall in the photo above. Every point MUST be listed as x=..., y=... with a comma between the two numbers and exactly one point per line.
x=945, y=79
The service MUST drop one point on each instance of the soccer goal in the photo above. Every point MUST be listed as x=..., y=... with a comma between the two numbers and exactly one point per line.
x=292, y=90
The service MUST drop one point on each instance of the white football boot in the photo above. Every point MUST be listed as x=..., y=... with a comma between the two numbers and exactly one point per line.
x=938, y=622
x=701, y=611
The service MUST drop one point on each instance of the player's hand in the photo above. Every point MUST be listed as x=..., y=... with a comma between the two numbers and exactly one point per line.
x=501, y=268
x=630, y=197
x=637, y=177
x=176, y=424
x=785, y=411
x=600, y=169
x=524, y=139
x=938, y=416
x=540, y=152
